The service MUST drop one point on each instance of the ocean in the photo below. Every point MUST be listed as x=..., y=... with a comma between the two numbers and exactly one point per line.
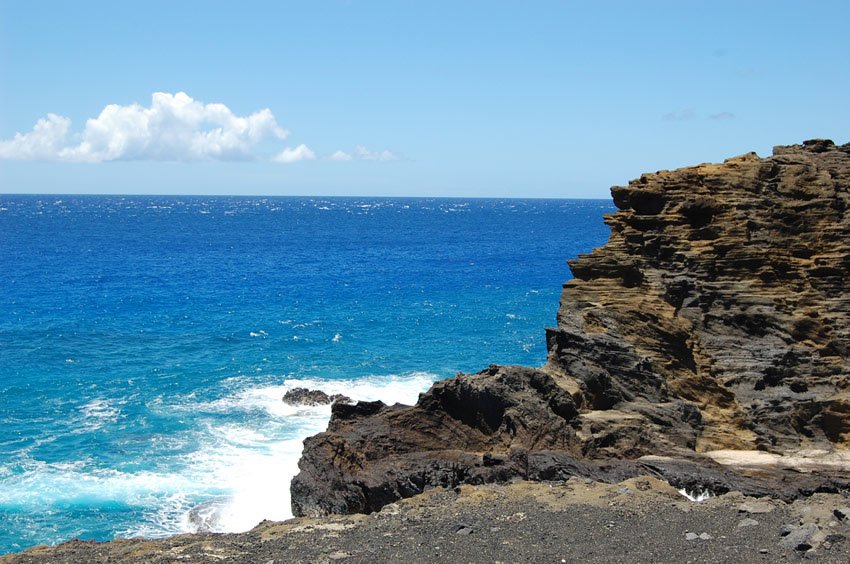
x=146, y=341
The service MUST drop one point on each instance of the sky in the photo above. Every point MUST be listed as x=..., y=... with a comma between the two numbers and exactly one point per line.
x=406, y=98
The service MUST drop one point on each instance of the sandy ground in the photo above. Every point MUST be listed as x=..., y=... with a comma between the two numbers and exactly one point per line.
x=639, y=520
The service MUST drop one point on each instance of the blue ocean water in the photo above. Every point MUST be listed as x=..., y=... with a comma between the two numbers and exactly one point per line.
x=146, y=342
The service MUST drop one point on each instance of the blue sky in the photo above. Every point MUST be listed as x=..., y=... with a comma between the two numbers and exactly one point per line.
x=538, y=99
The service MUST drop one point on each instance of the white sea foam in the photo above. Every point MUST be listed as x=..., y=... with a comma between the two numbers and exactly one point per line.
x=43, y=486
x=252, y=462
x=697, y=495
x=97, y=413
x=247, y=446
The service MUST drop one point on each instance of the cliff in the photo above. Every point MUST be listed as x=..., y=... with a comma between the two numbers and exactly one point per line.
x=707, y=343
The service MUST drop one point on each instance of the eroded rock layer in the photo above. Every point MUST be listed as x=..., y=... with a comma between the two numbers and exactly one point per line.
x=716, y=317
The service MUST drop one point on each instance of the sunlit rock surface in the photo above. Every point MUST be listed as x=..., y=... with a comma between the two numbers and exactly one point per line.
x=716, y=318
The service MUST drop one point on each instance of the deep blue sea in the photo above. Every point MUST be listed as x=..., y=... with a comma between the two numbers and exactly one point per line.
x=146, y=342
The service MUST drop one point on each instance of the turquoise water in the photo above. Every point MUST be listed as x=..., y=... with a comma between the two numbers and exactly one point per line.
x=145, y=342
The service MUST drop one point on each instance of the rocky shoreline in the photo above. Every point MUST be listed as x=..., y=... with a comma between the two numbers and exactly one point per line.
x=706, y=347
x=707, y=343
x=639, y=520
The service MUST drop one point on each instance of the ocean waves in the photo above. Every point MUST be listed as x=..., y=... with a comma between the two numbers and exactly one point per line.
x=146, y=342
x=228, y=469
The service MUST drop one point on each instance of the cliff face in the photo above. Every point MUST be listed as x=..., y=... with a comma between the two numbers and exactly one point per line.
x=725, y=286
x=716, y=317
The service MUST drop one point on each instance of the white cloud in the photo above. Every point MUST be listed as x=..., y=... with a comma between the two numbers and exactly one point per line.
x=45, y=141
x=174, y=128
x=365, y=154
x=341, y=156
x=300, y=153
x=361, y=153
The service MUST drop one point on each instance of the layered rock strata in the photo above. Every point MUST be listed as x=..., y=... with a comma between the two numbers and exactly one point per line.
x=715, y=319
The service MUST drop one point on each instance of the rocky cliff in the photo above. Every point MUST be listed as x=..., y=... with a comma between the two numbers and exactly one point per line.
x=708, y=343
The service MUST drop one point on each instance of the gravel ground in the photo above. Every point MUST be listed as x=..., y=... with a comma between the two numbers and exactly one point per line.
x=640, y=520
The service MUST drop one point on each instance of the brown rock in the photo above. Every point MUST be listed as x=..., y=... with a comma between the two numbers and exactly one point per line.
x=725, y=286
x=717, y=316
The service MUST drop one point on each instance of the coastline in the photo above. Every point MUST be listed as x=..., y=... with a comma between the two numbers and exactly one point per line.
x=639, y=520
x=575, y=460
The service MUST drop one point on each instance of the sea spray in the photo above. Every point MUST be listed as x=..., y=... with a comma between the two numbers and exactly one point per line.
x=248, y=465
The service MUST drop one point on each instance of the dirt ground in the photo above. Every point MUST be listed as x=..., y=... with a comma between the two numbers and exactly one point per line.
x=639, y=520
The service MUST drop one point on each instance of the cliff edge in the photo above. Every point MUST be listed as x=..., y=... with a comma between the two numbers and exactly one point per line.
x=707, y=343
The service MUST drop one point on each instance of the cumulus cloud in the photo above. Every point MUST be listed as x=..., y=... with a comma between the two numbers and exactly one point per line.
x=341, y=156
x=45, y=141
x=361, y=153
x=174, y=128
x=299, y=153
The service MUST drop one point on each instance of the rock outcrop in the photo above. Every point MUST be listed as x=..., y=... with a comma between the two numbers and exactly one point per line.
x=715, y=319
x=312, y=398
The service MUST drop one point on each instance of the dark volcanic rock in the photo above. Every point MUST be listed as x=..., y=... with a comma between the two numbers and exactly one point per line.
x=716, y=317
x=304, y=396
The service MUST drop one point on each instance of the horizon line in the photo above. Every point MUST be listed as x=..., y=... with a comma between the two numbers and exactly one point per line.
x=142, y=194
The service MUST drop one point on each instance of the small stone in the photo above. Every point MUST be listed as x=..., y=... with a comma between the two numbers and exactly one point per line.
x=842, y=513
x=747, y=523
x=757, y=506
x=463, y=530
x=705, y=536
x=763, y=550
x=691, y=536
x=338, y=555
x=623, y=490
x=798, y=538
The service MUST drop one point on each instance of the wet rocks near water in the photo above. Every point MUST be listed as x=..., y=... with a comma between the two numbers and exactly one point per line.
x=206, y=516
x=716, y=317
x=307, y=397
